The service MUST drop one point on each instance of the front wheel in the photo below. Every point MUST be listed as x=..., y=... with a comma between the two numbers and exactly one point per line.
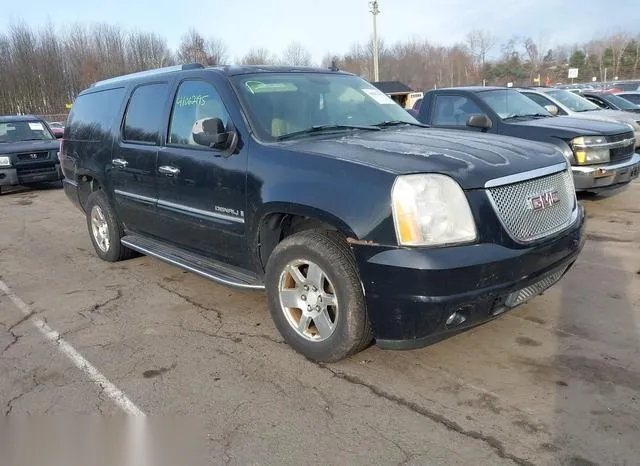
x=315, y=296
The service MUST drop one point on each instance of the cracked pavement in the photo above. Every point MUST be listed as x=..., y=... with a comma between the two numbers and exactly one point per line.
x=556, y=381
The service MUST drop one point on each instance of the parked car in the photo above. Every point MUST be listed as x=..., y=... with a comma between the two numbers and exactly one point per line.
x=611, y=102
x=601, y=153
x=624, y=86
x=568, y=103
x=633, y=97
x=28, y=152
x=359, y=222
x=56, y=128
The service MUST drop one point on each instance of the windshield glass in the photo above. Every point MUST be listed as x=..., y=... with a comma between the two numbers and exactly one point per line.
x=509, y=103
x=573, y=101
x=279, y=104
x=622, y=104
x=15, y=131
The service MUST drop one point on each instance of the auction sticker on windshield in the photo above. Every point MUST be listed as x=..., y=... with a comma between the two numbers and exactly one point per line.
x=378, y=96
x=36, y=127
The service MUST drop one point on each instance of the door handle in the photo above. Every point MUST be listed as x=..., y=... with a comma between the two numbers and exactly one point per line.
x=168, y=170
x=120, y=163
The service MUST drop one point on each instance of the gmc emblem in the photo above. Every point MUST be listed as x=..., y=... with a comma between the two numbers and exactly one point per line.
x=543, y=200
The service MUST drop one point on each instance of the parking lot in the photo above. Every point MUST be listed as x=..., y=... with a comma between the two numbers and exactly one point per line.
x=556, y=381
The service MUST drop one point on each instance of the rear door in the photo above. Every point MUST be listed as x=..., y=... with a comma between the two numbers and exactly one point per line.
x=201, y=192
x=132, y=171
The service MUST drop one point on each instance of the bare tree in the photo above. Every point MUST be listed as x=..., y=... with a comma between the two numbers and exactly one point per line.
x=618, y=43
x=480, y=42
x=258, y=56
x=216, y=51
x=146, y=51
x=296, y=55
x=191, y=48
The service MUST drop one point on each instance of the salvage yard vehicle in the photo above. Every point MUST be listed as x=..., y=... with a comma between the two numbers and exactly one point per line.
x=601, y=153
x=359, y=222
x=568, y=103
x=28, y=152
x=611, y=101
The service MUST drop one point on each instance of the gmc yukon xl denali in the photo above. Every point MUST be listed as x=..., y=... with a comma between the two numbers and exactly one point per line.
x=360, y=223
x=601, y=153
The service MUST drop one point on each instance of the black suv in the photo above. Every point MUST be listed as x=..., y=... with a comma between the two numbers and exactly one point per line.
x=360, y=223
x=28, y=151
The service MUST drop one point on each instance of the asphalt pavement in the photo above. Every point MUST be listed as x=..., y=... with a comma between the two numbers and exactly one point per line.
x=556, y=381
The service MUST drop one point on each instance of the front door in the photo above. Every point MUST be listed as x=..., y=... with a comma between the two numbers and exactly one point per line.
x=201, y=193
x=132, y=171
x=452, y=111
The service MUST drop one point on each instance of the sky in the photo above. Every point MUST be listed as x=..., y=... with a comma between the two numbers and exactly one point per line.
x=333, y=25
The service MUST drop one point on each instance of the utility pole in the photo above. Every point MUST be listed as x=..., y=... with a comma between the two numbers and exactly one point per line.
x=373, y=5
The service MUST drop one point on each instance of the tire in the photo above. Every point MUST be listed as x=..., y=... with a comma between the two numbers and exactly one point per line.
x=341, y=325
x=106, y=241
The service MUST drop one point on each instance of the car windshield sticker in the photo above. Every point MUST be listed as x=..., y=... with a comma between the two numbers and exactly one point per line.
x=36, y=127
x=192, y=100
x=378, y=96
x=258, y=86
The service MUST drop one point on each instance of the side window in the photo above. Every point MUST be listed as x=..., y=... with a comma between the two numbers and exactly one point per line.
x=143, y=119
x=598, y=102
x=93, y=115
x=540, y=100
x=195, y=102
x=453, y=110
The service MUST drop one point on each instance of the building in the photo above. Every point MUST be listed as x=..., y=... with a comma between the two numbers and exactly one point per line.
x=399, y=92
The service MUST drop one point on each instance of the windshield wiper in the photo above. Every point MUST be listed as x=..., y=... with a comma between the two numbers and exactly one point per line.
x=320, y=128
x=388, y=123
x=526, y=115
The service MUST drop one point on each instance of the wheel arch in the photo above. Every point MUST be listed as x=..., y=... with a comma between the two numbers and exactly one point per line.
x=278, y=220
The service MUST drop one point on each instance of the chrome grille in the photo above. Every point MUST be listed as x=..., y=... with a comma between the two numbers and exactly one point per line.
x=535, y=208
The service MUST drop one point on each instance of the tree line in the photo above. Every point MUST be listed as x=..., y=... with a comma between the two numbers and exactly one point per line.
x=43, y=70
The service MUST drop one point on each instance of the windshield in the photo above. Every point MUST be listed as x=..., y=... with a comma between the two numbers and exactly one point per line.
x=509, y=103
x=16, y=131
x=279, y=104
x=573, y=101
x=622, y=104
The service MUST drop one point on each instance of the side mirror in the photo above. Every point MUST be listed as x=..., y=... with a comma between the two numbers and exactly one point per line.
x=552, y=109
x=479, y=120
x=210, y=132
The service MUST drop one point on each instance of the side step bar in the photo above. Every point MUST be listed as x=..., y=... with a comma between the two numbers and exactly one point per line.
x=208, y=268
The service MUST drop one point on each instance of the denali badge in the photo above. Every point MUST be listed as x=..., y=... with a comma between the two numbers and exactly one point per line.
x=543, y=200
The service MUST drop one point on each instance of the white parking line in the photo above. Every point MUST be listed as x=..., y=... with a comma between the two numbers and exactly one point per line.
x=76, y=358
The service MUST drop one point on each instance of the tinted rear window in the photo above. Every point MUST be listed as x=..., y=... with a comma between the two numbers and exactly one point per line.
x=145, y=113
x=92, y=115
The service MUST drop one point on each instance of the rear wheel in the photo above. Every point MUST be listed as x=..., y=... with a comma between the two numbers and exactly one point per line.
x=105, y=229
x=315, y=296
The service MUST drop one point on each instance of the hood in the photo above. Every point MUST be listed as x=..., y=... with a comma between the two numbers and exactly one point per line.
x=470, y=157
x=608, y=115
x=29, y=146
x=579, y=125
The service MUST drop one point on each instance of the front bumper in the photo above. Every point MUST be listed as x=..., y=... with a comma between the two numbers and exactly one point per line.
x=12, y=176
x=411, y=292
x=591, y=178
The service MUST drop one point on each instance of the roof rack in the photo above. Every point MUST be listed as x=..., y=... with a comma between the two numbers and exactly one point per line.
x=142, y=74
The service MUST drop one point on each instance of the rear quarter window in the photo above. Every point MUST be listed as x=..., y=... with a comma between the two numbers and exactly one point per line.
x=93, y=115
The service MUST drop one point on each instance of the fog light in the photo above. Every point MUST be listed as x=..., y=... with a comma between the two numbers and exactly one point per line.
x=455, y=319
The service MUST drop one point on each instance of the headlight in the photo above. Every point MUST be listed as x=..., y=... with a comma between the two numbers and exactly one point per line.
x=586, y=149
x=431, y=210
x=5, y=162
